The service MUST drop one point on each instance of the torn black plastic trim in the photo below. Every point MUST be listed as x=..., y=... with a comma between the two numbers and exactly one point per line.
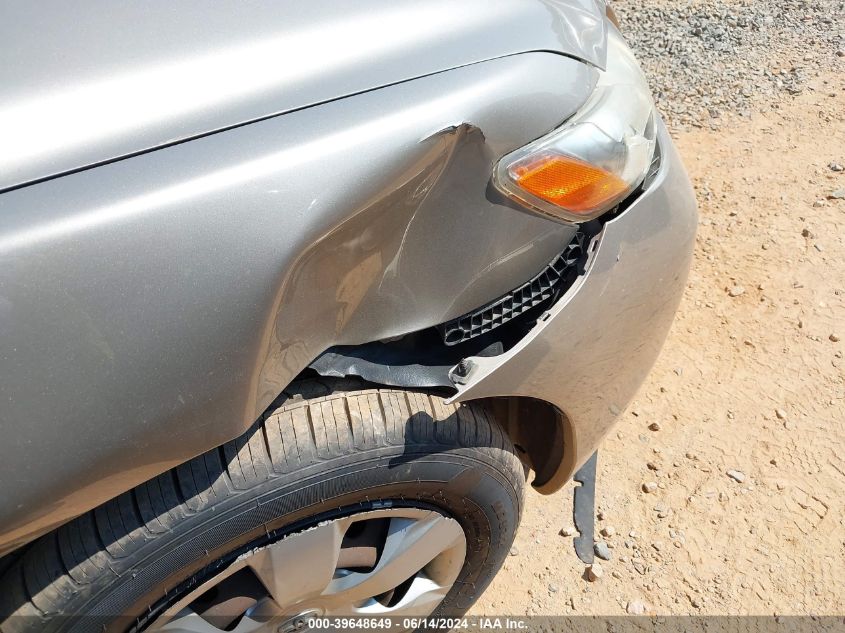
x=584, y=509
x=417, y=360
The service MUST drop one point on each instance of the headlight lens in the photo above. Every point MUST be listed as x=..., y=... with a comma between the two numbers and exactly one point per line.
x=597, y=157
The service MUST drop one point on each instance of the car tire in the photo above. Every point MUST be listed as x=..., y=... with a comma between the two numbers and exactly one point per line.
x=332, y=448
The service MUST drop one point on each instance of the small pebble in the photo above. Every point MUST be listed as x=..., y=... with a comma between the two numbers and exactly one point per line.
x=608, y=530
x=636, y=607
x=736, y=291
x=781, y=414
x=736, y=475
x=602, y=551
x=649, y=486
x=654, y=426
x=568, y=531
x=833, y=338
x=594, y=572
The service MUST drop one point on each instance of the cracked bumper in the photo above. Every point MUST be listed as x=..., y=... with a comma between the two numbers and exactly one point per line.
x=591, y=352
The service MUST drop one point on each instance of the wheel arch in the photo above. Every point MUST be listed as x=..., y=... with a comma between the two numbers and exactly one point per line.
x=541, y=434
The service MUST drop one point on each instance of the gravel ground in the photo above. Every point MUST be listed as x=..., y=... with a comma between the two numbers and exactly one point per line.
x=722, y=491
x=710, y=60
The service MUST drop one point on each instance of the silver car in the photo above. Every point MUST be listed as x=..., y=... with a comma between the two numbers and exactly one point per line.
x=295, y=297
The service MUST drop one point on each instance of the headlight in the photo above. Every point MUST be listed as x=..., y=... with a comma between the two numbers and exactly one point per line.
x=597, y=157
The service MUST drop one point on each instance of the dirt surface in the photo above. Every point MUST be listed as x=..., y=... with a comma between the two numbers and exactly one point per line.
x=752, y=380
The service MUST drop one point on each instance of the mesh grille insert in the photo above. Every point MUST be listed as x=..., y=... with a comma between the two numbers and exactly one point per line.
x=541, y=288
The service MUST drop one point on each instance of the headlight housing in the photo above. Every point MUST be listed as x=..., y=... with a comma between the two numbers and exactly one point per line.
x=599, y=156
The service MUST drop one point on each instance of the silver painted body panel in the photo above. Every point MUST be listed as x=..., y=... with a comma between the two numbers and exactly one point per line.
x=195, y=209
x=87, y=82
x=592, y=352
x=151, y=308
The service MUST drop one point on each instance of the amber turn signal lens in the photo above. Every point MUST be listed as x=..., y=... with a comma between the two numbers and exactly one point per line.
x=567, y=182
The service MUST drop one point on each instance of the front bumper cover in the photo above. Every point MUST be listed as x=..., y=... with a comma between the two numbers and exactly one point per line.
x=589, y=354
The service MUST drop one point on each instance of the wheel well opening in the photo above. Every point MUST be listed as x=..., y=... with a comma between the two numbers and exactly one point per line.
x=539, y=431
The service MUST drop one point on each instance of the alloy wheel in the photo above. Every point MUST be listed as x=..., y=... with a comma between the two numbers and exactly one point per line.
x=392, y=562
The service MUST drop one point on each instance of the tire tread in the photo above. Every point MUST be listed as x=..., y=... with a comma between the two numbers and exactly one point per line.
x=316, y=421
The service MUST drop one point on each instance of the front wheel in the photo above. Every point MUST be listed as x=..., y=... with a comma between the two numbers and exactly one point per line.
x=342, y=502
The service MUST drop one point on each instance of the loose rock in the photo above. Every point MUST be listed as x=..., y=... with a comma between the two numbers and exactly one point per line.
x=594, y=572
x=736, y=475
x=636, y=607
x=602, y=550
x=649, y=486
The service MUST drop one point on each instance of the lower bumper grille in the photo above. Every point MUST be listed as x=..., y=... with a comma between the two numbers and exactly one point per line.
x=544, y=288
